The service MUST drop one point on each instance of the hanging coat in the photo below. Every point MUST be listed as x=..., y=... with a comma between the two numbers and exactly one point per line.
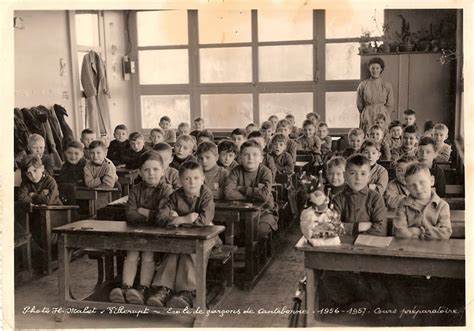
x=94, y=82
x=68, y=135
x=56, y=129
x=20, y=133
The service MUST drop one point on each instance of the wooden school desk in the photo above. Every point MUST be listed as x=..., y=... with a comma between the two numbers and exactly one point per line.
x=229, y=213
x=413, y=257
x=126, y=178
x=96, y=198
x=112, y=235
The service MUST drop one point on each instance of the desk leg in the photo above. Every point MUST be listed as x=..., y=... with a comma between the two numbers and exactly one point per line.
x=63, y=276
x=312, y=299
x=249, y=246
x=201, y=248
x=46, y=244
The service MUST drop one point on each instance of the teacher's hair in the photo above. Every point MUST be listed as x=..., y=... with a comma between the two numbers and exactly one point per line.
x=376, y=60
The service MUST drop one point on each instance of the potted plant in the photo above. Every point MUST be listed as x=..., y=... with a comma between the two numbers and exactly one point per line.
x=387, y=40
x=406, y=44
x=364, y=43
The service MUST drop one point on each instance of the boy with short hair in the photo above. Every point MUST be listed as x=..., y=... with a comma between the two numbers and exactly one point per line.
x=183, y=129
x=215, y=176
x=183, y=150
x=268, y=161
x=131, y=157
x=170, y=175
x=239, y=136
x=292, y=146
x=72, y=170
x=326, y=140
x=428, y=129
x=99, y=171
x=268, y=129
x=376, y=133
x=157, y=135
x=283, y=160
x=335, y=168
x=378, y=174
x=397, y=188
x=119, y=145
x=296, y=132
x=313, y=117
x=427, y=154
x=165, y=124
x=356, y=139
x=205, y=135
x=174, y=284
x=396, y=132
x=144, y=201
x=274, y=120
x=422, y=214
x=228, y=152
x=309, y=141
x=251, y=127
x=381, y=121
x=87, y=136
x=409, y=142
x=409, y=118
x=36, y=146
x=440, y=134
x=252, y=181
x=37, y=187
x=198, y=127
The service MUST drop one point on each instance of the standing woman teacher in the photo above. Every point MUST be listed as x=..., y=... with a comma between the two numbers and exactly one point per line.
x=374, y=95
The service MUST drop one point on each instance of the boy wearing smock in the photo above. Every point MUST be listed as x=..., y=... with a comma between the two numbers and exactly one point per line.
x=427, y=154
x=292, y=146
x=409, y=143
x=36, y=145
x=268, y=161
x=397, y=188
x=309, y=141
x=183, y=150
x=396, y=131
x=378, y=174
x=99, y=171
x=170, y=134
x=214, y=175
x=144, y=201
x=170, y=175
x=228, y=152
x=174, y=284
x=326, y=139
x=377, y=135
x=443, y=150
x=283, y=160
x=356, y=138
x=252, y=181
x=87, y=136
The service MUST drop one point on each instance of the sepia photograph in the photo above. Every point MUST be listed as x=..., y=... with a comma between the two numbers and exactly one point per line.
x=198, y=164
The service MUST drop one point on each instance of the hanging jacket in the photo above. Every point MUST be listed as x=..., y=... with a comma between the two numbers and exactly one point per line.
x=20, y=132
x=31, y=122
x=68, y=135
x=56, y=129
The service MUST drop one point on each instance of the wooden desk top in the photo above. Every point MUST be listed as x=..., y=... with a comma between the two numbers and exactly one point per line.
x=124, y=229
x=300, y=163
x=238, y=205
x=97, y=189
x=62, y=207
x=122, y=171
x=455, y=215
x=452, y=249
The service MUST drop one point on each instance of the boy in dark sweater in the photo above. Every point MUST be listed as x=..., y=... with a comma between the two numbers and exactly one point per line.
x=119, y=145
x=227, y=154
x=72, y=170
x=131, y=158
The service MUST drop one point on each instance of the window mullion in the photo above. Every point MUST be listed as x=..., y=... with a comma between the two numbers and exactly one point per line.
x=255, y=64
x=194, y=76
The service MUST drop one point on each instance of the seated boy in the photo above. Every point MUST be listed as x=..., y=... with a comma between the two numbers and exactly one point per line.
x=170, y=175
x=252, y=181
x=157, y=135
x=326, y=140
x=214, y=175
x=428, y=129
x=183, y=150
x=296, y=132
x=292, y=146
x=227, y=154
x=409, y=118
x=378, y=174
x=267, y=129
x=381, y=121
x=99, y=171
x=274, y=120
x=131, y=157
x=36, y=146
x=205, y=135
x=377, y=135
x=268, y=161
x=165, y=124
x=427, y=155
x=309, y=141
x=356, y=138
x=38, y=187
x=409, y=142
x=119, y=145
x=198, y=127
x=396, y=132
x=251, y=127
x=144, y=201
x=72, y=170
x=422, y=214
x=440, y=134
x=238, y=136
x=397, y=188
x=183, y=128
x=335, y=168
x=283, y=160
x=313, y=117
x=87, y=136
x=174, y=284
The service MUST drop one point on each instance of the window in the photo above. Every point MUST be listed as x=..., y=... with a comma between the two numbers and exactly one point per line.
x=342, y=61
x=166, y=66
x=162, y=28
x=224, y=26
x=353, y=22
x=276, y=63
x=226, y=111
x=341, y=110
x=226, y=65
x=284, y=25
x=176, y=107
x=282, y=104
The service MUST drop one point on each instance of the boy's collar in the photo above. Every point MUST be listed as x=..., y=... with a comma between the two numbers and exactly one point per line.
x=364, y=190
x=193, y=196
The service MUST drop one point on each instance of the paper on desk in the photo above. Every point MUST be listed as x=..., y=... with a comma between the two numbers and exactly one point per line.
x=373, y=241
x=121, y=201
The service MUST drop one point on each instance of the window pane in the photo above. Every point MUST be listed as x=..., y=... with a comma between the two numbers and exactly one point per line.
x=285, y=63
x=341, y=110
x=168, y=66
x=227, y=111
x=279, y=25
x=223, y=65
x=351, y=23
x=282, y=104
x=224, y=26
x=87, y=29
x=342, y=61
x=161, y=28
x=176, y=107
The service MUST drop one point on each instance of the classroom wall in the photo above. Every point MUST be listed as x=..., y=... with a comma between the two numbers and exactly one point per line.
x=42, y=61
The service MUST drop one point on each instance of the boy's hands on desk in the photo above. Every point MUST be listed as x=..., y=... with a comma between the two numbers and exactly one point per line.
x=425, y=233
x=188, y=219
x=143, y=211
x=45, y=192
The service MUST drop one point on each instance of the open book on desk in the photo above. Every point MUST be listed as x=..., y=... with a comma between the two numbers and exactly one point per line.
x=373, y=241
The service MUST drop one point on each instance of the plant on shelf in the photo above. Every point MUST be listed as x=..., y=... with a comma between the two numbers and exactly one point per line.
x=365, y=44
x=388, y=41
x=405, y=36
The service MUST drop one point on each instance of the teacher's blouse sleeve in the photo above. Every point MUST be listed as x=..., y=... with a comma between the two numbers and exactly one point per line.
x=390, y=98
x=360, y=96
